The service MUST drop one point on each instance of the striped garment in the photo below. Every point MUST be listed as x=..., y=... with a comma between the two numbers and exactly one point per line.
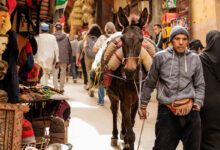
x=44, y=10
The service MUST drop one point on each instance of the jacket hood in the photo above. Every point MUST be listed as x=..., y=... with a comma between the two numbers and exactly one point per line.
x=94, y=30
x=211, y=56
x=60, y=36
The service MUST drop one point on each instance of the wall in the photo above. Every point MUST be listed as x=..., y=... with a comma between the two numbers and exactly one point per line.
x=205, y=17
x=156, y=15
x=217, y=3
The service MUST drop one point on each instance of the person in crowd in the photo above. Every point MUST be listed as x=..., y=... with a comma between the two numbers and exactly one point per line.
x=74, y=45
x=210, y=58
x=196, y=46
x=159, y=39
x=48, y=53
x=9, y=51
x=92, y=35
x=65, y=54
x=80, y=58
x=109, y=30
x=180, y=92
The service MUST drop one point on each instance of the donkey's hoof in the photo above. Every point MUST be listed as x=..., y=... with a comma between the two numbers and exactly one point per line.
x=114, y=142
x=122, y=136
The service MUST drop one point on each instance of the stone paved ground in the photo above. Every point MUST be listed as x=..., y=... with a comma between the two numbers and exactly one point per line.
x=91, y=125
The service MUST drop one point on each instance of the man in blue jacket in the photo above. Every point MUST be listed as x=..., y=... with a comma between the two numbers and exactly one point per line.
x=180, y=94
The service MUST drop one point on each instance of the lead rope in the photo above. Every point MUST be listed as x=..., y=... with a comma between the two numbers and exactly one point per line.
x=139, y=102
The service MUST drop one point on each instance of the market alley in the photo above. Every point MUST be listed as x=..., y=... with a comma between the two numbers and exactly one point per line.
x=91, y=125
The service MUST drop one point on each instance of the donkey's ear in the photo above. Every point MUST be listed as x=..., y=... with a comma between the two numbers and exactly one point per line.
x=122, y=18
x=143, y=18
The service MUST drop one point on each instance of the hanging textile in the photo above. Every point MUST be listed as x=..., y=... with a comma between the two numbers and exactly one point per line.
x=11, y=4
x=60, y=4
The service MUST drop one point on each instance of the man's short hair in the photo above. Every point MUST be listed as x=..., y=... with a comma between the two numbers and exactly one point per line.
x=195, y=45
x=58, y=26
x=158, y=25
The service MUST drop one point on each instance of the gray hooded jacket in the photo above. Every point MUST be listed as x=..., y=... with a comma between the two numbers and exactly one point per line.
x=180, y=76
x=65, y=50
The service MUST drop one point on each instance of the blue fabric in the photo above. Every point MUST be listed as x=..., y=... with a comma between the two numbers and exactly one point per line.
x=30, y=62
x=101, y=92
x=44, y=27
x=74, y=68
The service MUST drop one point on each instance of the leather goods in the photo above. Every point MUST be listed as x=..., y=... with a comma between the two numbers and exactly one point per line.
x=181, y=107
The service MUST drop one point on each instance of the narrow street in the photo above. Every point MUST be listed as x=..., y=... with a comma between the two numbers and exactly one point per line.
x=91, y=125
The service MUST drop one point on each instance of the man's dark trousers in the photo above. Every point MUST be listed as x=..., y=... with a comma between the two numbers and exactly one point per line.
x=170, y=129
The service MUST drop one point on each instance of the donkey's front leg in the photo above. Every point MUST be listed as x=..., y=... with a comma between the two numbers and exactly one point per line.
x=114, y=109
x=129, y=136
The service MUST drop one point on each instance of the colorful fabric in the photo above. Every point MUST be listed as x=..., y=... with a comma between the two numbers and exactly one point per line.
x=21, y=2
x=11, y=4
x=44, y=9
x=60, y=4
x=27, y=132
x=29, y=48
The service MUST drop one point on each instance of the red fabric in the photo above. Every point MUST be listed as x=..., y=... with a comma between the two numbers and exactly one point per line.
x=107, y=79
x=30, y=4
x=33, y=73
x=84, y=29
x=27, y=129
x=62, y=20
x=29, y=48
x=11, y=4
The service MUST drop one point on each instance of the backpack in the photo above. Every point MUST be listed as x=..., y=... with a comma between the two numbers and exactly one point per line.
x=89, y=46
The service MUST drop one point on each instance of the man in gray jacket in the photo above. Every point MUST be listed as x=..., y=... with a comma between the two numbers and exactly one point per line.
x=180, y=94
x=65, y=54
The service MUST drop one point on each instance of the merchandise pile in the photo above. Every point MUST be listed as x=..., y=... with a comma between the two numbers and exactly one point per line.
x=39, y=93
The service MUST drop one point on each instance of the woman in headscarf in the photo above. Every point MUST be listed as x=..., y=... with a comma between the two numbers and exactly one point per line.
x=210, y=113
x=92, y=35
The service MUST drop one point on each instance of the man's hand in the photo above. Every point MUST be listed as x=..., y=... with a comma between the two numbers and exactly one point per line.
x=196, y=107
x=77, y=63
x=142, y=113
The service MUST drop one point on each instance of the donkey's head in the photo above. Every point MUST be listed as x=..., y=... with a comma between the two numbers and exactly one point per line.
x=132, y=38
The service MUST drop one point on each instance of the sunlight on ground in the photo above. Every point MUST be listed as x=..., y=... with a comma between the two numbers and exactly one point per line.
x=80, y=105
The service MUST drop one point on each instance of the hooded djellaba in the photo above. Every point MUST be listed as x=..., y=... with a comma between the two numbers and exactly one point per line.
x=211, y=65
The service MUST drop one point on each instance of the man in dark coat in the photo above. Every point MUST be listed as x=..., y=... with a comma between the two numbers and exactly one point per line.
x=210, y=113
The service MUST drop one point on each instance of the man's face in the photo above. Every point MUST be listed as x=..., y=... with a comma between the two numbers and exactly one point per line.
x=3, y=16
x=156, y=30
x=3, y=44
x=180, y=43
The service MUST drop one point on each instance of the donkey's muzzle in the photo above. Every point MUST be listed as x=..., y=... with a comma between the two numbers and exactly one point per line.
x=130, y=74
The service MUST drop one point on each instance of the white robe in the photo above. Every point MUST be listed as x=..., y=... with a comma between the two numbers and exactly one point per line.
x=48, y=51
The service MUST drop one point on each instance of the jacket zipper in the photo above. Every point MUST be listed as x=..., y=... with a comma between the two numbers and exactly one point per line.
x=161, y=91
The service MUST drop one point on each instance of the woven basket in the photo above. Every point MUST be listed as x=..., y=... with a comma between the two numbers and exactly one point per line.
x=77, y=10
x=78, y=3
x=78, y=16
x=90, y=2
x=87, y=9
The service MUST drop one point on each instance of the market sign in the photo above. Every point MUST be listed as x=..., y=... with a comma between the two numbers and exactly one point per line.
x=168, y=4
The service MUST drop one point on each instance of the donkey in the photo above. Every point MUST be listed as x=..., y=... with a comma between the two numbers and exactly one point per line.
x=125, y=91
